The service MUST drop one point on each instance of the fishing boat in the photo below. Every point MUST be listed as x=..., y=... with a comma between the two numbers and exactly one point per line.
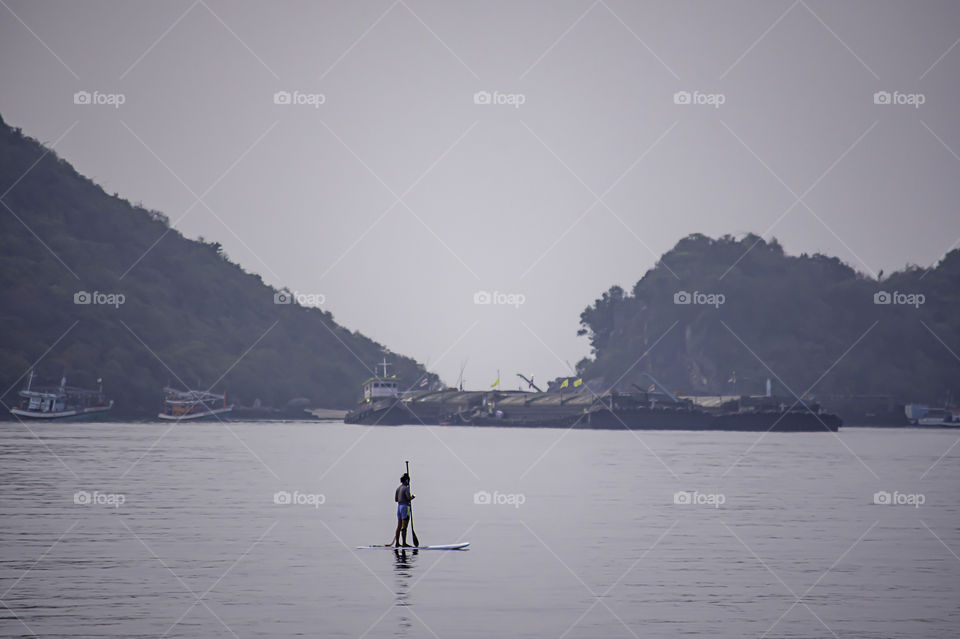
x=193, y=405
x=61, y=402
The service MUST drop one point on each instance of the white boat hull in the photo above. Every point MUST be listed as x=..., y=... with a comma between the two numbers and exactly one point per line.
x=197, y=416
x=936, y=422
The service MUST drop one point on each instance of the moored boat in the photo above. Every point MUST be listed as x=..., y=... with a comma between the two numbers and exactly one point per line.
x=193, y=405
x=381, y=403
x=923, y=415
x=583, y=408
x=61, y=402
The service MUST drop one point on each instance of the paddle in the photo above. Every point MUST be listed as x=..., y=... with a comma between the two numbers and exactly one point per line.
x=416, y=542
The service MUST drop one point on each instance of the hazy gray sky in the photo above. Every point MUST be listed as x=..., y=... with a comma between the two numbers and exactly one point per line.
x=399, y=197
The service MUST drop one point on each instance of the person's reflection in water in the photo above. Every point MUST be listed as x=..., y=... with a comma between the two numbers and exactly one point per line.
x=403, y=571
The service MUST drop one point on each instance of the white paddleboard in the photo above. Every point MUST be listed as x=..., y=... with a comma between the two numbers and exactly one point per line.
x=440, y=547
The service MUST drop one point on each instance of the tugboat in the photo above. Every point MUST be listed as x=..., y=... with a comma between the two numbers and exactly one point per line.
x=381, y=403
x=61, y=402
x=193, y=405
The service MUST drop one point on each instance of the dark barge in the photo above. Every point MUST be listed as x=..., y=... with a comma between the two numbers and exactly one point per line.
x=384, y=404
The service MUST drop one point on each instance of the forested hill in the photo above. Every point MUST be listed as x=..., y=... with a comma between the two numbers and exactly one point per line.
x=793, y=317
x=189, y=315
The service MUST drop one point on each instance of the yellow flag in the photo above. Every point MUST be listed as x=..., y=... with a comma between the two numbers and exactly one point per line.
x=495, y=383
x=565, y=383
x=577, y=382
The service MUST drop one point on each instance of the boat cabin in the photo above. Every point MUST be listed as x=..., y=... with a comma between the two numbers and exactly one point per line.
x=377, y=387
x=39, y=402
x=381, y=386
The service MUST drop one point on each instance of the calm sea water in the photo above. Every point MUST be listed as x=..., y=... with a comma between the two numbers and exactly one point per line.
x=575, y=534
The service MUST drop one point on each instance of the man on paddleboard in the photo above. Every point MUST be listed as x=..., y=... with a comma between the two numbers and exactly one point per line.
x=403, y=497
